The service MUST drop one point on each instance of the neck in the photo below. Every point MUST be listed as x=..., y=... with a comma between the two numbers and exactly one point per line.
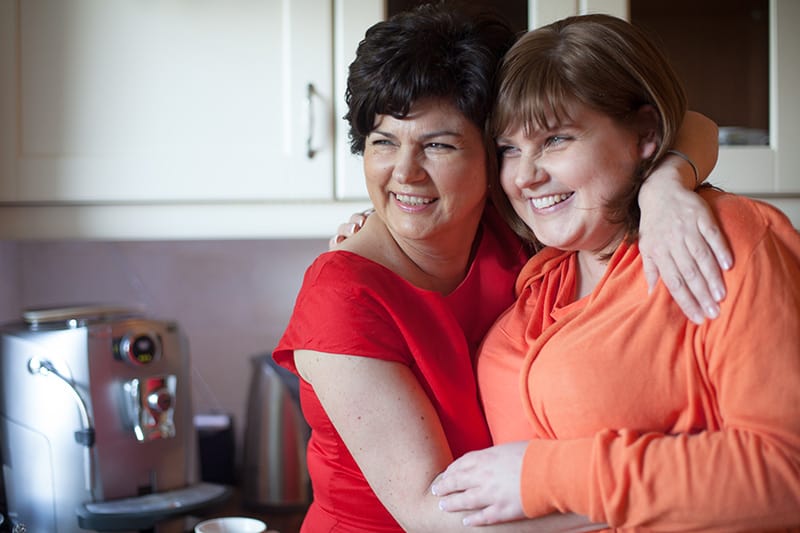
x=592, y=264
x=437, y=264
x=435, y=269
x=591, y=268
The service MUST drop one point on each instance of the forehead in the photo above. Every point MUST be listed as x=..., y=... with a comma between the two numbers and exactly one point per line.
x=428, y=113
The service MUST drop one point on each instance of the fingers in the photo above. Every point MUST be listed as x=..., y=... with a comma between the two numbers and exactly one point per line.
x=334, y=241
x=467, y=500
x=491, y=515
x=481, y=508
x=717, y=241
x=674, y=264
x=484, y=484
x=487, y=516
x=349, y=228
x=342, y=232
x=690, y=262
x=696, y=282
x=676, y=283
x=446, y=483
x=356, y=221
x=704, y=276
x=650, y=272
x=359, y=218
x=482, y=511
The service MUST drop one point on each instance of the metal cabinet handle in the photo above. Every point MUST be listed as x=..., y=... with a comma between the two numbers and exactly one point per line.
x=310, y=151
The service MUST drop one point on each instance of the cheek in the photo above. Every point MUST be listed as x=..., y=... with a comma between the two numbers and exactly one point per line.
x=507, y=173
x=461, y=174
x=375, y=168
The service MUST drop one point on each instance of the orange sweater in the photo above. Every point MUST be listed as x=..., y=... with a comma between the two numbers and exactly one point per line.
x=638, y=417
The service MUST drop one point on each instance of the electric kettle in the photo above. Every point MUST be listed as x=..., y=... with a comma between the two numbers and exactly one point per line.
x=276, y=434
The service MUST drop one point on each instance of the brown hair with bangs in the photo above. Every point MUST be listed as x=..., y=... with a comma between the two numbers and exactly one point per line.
x=600, y=61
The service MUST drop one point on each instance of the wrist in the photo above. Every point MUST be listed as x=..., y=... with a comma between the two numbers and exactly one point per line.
x=685, y=167
x=661, y=183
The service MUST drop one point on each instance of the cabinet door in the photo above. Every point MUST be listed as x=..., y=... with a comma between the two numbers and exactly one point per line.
x=351, y=19
x=113, y=100
x=771, y=170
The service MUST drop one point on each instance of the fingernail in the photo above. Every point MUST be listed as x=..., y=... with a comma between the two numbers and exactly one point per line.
x=697, y=318
x=441, y=505
x=433, y=490
x=718, y=294
x=712, y=311
x=726, y=264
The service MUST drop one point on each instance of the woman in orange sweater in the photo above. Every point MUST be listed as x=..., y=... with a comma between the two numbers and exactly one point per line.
x=613, y=405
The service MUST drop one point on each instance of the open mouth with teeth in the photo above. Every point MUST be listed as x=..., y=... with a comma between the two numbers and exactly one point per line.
x=413, y=200
x=549, y=201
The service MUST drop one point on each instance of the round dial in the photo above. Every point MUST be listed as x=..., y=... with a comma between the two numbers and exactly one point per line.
x=140, y=348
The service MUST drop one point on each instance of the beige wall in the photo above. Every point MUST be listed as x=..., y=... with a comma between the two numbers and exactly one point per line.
x=232, y=298
x=9, y=282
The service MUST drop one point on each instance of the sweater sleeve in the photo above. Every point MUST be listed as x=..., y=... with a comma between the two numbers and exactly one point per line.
x=740, y=472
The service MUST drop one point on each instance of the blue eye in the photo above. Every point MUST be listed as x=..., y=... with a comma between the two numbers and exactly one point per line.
x=555, y=140
x=506, y=150
x=440, y=146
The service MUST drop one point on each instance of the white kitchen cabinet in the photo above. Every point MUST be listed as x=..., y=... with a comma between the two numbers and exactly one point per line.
x=121, y=101
x=122, y=119
x=174, y=119
x=351, y=20
x=770, y=172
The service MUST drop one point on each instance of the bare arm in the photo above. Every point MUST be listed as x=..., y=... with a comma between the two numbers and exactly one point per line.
x=679, y=239
x=394, y=434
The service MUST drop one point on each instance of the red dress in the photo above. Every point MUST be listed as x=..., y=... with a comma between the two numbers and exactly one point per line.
x=351, y=305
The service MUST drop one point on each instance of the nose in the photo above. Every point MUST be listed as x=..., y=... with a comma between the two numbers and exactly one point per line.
x=529, y=171
x=407, y=167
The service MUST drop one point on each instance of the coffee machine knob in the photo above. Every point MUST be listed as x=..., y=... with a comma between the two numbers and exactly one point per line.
x=138, y=348
x=159, y=401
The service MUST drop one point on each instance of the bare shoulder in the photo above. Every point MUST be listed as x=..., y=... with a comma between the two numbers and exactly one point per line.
x=374, y=242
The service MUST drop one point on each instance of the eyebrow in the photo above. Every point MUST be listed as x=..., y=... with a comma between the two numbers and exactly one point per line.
x=567, y=123
x=431, y=135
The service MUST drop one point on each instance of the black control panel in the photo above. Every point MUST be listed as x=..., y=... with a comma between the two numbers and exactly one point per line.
x=138, y=348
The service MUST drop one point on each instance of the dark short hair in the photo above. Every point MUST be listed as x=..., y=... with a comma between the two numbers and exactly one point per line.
x=441, y=50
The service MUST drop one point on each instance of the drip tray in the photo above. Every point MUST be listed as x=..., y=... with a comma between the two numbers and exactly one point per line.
x=144, y=512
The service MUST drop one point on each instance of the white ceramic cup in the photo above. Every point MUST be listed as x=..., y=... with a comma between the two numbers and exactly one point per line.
x=231, y=524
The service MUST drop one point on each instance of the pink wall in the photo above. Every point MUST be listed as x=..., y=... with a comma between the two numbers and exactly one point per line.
x=232, y=298
x=9, y=282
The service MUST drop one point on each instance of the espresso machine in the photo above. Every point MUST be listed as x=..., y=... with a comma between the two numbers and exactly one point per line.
x=96, y=426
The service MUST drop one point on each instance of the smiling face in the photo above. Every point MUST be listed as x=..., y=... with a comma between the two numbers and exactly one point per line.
x=560, y=179
x=426, y=173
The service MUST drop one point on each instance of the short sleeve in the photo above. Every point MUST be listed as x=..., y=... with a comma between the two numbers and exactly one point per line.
x=340, y=309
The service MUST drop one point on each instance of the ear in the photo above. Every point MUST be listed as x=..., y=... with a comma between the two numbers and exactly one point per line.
x=648, y=127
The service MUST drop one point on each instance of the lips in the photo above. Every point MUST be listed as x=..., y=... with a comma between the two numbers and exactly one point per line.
x=543, y=202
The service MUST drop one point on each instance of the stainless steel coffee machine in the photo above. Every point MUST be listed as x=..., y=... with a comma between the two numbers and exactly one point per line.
x=96, y=430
